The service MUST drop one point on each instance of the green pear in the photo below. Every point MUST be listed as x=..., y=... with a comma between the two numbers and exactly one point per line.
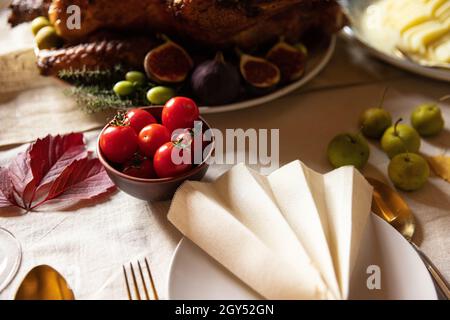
x=427, y=119
x=400, y=138
x=374, y=121
x=408, y=171
x=348, y=149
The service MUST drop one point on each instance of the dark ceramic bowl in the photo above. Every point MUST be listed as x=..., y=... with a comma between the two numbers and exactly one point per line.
x=154, y=189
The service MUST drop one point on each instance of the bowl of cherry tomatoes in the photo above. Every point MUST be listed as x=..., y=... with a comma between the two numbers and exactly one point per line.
x=149, y=152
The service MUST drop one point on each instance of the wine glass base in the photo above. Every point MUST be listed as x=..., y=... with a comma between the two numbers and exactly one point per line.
x=10, y=257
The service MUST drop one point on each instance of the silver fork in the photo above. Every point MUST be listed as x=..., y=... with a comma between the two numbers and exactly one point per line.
x=145, y=281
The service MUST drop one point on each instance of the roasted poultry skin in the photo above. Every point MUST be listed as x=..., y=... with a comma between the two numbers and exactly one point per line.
x=97, y=53
x=217, y=23
x=210, y=23
x=27, y=10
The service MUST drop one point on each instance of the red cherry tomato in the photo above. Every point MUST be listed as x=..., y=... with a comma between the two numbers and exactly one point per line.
x=118, y=143
x=151, y=138
x=163, y=164
x=192, y=141
x=179, y=112
x=139, y=167
x=139, y=118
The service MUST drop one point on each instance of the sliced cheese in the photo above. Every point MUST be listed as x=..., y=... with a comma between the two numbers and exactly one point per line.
x=434, y=5
x=418, y=38
x=442, y=52
x=411, y=15
x=443, y=13
x=418, y=27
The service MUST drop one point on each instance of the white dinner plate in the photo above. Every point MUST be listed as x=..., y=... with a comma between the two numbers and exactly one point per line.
x=355, y=10
x=195, y=275
x=10, y=257
x=316, y=62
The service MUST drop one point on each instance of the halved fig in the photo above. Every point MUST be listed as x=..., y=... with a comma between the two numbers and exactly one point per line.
x=259, y=72
x=168, y=63
x=290, y=60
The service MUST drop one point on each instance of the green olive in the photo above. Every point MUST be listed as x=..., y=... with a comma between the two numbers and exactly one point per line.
x=136, y=77
x=47, y=38
x=38, y=23
x=123, y=88
x=160, y=95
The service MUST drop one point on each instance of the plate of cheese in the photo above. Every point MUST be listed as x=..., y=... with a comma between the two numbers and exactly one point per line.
x=411, y=34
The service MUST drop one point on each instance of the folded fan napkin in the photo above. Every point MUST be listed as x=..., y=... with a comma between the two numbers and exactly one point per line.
x=289, y=235
x=300, y=195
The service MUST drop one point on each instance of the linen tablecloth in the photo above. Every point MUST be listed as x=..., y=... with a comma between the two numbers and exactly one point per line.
x=89, y=245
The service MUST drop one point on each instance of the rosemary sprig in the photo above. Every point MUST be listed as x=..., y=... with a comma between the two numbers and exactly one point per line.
x=94, y=98
x=92, y=89
x=100, y=77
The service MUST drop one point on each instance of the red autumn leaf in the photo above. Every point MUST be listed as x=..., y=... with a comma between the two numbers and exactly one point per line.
x=20, y=176
x=53, y=169
x=43, y=161
x=81, y=180
x=7, y=198
x=51, y=155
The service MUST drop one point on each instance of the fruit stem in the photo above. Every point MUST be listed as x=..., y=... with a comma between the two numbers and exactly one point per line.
x=404, y=146
x=164, y=37
x=219, y=57
x=382, y=97
x=120, y=119
x=400, y=138
x=351, y=139
x=238, y=52
x=395, y=126
x=444, y=98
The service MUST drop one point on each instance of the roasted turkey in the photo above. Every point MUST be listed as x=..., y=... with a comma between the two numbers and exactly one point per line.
x=109, y=27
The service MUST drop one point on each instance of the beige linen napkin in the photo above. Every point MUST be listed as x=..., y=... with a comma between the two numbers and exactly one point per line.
x=299, y=194
x=272, y=232
x=201, y=214
x=32, y=106
x=348, y=198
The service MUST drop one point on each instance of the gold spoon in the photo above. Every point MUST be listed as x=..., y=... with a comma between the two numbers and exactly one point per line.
x=44, y=283
x=389, y=205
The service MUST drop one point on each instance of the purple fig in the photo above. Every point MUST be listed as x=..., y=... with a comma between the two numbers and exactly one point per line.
x=216, y=81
